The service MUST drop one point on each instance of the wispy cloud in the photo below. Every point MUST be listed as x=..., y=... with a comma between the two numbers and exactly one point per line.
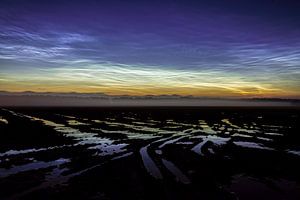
x=124, y=79
x=197, y=50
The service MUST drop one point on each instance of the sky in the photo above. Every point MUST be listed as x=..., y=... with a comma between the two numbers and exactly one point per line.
x=229, y=48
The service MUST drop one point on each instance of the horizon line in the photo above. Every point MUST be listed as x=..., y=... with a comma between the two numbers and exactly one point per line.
x=102, y=95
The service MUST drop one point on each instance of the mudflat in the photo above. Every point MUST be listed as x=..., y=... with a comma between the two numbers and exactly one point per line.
x=149, y=153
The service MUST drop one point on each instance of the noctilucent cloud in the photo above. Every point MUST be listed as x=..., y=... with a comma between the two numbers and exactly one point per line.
x=230, y=48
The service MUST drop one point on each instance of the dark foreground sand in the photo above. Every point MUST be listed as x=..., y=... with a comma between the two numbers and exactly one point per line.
x=149, y=153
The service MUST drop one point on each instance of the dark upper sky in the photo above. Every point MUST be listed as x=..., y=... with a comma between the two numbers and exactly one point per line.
x=202, y=48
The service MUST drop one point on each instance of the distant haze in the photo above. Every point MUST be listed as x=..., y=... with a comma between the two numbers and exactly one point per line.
x=101, y=100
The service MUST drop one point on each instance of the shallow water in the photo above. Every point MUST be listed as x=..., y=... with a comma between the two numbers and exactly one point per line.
x=160, y=153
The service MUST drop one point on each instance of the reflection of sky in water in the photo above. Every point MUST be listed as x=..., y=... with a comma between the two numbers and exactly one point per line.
x=32, y=166
x=252, y=145
x=83, y=138
x=180, y=176
x=147, y=139
x=3, y=120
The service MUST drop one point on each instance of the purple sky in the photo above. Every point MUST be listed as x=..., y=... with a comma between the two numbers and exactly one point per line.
x=201, y=48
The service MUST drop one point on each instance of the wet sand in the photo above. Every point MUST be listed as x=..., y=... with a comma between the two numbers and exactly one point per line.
x=149, y=153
